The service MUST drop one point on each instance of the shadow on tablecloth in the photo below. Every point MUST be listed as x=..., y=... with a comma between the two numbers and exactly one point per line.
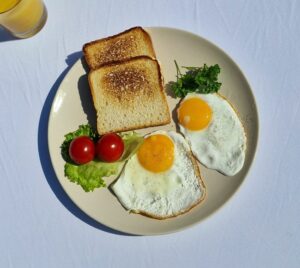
x=45, y=156
x=6, y=36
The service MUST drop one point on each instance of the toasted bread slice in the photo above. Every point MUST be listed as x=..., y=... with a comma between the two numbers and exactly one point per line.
x=130, y=43
x=129, y=95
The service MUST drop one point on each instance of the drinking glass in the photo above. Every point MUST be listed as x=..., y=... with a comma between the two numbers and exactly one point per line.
x=23, y=18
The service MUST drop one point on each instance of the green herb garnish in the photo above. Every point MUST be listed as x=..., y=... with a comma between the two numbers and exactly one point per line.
x=201, y=80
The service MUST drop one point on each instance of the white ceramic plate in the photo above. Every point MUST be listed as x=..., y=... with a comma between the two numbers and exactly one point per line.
x=72, y=106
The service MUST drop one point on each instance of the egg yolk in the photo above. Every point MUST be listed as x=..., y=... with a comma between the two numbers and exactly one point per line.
x=194, y=114
x=156, y=154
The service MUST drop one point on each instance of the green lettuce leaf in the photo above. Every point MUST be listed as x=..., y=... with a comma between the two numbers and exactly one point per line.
x=132, y=142
x=90, y=176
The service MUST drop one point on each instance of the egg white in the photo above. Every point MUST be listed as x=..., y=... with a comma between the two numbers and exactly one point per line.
x=222, y=144
x=164, y=194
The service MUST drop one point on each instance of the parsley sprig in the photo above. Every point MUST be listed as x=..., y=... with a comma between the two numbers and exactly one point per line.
x=202, y=80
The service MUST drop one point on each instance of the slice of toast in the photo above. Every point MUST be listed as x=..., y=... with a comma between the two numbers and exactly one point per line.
x=130, y=43
x=129, y=95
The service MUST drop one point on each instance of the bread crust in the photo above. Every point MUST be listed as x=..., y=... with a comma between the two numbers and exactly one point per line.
x=161, y=92
x=146, y=36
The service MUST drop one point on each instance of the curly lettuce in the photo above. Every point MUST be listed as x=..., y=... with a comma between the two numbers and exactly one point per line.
x=91, y=175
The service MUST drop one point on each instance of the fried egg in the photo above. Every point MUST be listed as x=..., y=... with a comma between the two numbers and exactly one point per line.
x=162, y=179
x=214, y=131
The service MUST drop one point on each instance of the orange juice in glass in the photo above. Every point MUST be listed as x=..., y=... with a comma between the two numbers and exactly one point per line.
x=23, y=18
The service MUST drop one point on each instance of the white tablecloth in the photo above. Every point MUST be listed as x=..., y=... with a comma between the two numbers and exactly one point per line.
x=259, y=227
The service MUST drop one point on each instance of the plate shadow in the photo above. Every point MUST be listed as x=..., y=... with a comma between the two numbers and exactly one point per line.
x=44, y=154
x=86, y=97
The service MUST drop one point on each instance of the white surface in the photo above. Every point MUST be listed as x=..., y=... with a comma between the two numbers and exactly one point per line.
x=259, y=227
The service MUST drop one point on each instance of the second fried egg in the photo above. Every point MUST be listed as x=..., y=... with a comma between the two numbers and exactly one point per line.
x=214, y=131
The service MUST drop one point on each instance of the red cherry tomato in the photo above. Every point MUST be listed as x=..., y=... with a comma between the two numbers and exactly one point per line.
x=110, y=147
x=82, y=150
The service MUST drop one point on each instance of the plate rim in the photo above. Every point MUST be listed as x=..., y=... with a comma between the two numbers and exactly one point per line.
x=233, y=193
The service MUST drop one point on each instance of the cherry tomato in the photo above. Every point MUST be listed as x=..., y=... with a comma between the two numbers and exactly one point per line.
x=110, y=147
x=82, y=150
